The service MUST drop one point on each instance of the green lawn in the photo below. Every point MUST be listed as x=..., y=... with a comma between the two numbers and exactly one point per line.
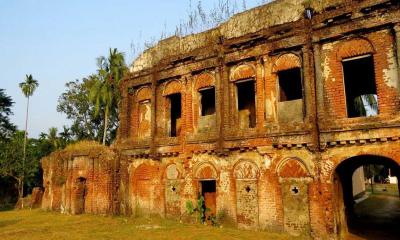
x=37, y=224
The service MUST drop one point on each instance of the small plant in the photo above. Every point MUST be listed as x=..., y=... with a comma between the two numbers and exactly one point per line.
x=200, y=209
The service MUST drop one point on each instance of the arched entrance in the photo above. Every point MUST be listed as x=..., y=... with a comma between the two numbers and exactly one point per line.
x=359, y=210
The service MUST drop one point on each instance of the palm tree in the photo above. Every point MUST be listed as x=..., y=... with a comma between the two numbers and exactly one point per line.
x=28, y=87
x=104, y=93
x=364, y=103
x=52, y=137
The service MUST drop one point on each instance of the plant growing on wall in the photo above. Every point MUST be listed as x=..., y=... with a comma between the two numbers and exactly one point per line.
x=200, y=209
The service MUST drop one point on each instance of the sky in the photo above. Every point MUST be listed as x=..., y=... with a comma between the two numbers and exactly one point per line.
x=58, y=42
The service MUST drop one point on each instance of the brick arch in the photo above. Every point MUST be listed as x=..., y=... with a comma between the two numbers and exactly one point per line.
x=146, y=172
x=205, y=170
x=143, y=93
x=243, y=71
x=245, y=169
x=286, y=61
x=204, y=80
x=292, y=168
x=354, y=47
x=172, y=87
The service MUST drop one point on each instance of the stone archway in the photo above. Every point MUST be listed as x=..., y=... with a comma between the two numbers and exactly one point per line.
x=370, y=216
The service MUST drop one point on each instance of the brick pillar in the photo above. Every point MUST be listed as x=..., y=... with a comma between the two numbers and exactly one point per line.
x=319, y=81
x=397, y=46
x=153, y=130
x=219, y=95
x=260, y=107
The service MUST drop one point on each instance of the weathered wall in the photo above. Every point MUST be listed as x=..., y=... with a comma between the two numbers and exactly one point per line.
x=79, y=180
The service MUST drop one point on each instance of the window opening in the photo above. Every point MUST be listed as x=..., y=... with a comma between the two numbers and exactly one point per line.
x=246, y=101
x=207, y=101
x=175, y=114
x=360, y=87
x=290, y=87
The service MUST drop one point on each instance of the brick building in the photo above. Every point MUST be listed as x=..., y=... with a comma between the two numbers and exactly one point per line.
x=260, y=115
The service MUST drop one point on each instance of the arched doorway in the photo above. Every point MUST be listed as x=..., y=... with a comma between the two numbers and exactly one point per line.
x=80, y=192
x=359, y=210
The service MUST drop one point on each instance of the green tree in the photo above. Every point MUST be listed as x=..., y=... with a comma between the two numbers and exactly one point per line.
x=6, y=127
x=12, y=161
x=28, y=87
x=74, y=102
x=104, y=92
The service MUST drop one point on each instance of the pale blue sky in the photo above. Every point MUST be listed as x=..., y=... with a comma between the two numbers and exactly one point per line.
x=58, y=42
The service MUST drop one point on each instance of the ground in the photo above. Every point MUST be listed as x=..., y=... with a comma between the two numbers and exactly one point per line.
x=38, y=224
x=377, y=217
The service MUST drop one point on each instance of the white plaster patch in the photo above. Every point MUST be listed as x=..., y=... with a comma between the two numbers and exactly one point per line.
x=390, y=74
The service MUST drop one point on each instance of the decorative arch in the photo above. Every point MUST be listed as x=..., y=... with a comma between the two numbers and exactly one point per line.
x=143, y=93
x=243, y=71
x=205, y=170
x=245, y=169
x=354, y=47
x=292, y=168
x=146, y=172
x=171, y=87
x=172, y=172
x=204, y=80
x=286, y=61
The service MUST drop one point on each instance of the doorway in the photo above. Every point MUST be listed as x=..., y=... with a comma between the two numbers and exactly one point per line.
x=208, y=192
x=80, y=195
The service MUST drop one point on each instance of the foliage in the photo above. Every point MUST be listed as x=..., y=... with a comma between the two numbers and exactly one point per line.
x=88, y=102
x=366, y=104
x=6, y=127
x=11, y=160
x=199, y=209
x=29, y=86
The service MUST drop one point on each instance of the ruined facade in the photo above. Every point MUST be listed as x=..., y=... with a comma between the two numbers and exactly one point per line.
x=261, y=116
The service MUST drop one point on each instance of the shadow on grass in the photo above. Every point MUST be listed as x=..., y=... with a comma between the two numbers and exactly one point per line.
x=8, y=222
x=7, y=207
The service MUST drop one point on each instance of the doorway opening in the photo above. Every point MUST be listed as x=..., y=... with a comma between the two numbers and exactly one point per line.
x=80, y=195
x=208, y=192
x=290, y=87
x=367, y=202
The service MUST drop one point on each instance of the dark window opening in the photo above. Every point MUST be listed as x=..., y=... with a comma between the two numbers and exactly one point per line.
x=290, y=87
x=246, y=101
x=175, y=114
x=360, y=87
x=207, y=101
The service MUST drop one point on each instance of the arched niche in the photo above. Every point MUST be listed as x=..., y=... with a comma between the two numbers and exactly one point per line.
x=246, y=174
x=294, y=179
x=145, y=187
x=173, y=187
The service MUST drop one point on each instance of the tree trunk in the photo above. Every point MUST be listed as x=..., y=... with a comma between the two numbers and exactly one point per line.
x=21, y=191
x=24, y=158
x=105, y=127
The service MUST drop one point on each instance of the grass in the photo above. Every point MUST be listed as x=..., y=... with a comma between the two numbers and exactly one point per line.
x=38, y=224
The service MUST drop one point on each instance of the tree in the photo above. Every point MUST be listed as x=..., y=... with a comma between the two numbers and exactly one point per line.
x=6, y=127
x=12, y=161
x=28, y=87
x=74, y=102
x=104, y=92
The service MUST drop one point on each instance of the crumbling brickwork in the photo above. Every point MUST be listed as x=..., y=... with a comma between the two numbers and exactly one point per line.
x=268, y=149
